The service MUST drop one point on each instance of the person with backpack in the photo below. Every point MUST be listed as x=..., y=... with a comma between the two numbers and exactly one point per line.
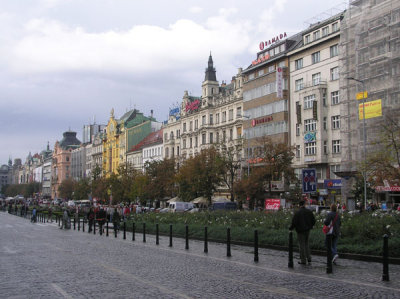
x=333, y=221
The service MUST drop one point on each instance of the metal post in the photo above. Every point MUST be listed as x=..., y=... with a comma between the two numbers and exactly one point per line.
x=79, y=224
x=144, y=232
x=83, y=225
x=124, y=230
x=157, y=239
x=115, y=231
x=256, y=245
x=205, y=240
x=107, y=229
x=133, y=231
x=170, y=235
x=94, y=227
x=186, y=237
x=101, y=229
x=385, y=276
x=290, y=263
x=328, y=254
x=228, y=242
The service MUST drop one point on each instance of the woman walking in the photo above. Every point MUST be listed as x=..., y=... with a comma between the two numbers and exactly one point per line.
x=333, y=220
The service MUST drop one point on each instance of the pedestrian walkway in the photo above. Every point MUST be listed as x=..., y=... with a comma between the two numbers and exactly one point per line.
x=40, y=260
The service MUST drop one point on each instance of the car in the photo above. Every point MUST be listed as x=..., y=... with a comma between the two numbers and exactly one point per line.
x=71, y=203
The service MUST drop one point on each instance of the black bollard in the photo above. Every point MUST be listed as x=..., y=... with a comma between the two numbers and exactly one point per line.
x=256, y=245
x=205, y=240
x=83, y=225
x=133, y=231
x=101, y=229
x=144, y=232
x=385, y=276
x=124, y=230
x=228, y=242
x=290, y=263
x=186, y=237
x=79, y=224
x=44, y=218
x=74, y=222
x=157, y=238
x=107, y=229
x=329, y=254
x=170, y=235
x=115, y=232
x=94, y=227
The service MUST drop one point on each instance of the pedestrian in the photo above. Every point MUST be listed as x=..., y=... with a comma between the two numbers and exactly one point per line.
x=90, y=217
x=116, y=220
x=101, y=218
x=33, y=219
x=333, y=219
x=303, y=221
x=50, y=214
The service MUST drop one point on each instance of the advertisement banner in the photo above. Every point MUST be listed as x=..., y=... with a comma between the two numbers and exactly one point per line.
x=272, y=204
x=372, y=109
x=333, y=184
x=279, y=82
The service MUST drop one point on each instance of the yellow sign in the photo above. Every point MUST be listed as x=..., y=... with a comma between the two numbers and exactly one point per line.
x=362, y=95
x=372, y=109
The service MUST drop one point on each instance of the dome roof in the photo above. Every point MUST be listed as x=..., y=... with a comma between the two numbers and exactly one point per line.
x=69, y=141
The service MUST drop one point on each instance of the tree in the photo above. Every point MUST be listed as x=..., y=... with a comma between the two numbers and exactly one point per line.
x=99, y=185
x=231, y=163
x=200, y=175
x=66, y=188
x=160, y=178
x=383, y=159
x=82, y=189
x=251, y=187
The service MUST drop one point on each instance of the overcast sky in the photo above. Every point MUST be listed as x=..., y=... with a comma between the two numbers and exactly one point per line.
x=64, y=63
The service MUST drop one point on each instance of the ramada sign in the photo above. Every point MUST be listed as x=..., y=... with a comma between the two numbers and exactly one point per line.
x=265, y=119
x=271, y=41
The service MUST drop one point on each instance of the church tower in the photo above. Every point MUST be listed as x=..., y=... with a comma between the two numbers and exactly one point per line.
x=210, y=84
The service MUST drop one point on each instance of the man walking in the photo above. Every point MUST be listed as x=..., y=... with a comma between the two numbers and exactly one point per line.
x=303, y=221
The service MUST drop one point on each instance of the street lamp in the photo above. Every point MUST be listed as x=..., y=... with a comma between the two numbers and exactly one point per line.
x=364, y=138
x=248, y=148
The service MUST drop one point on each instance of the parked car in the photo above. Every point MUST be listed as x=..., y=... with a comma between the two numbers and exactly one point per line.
x=71, y=203
x=228, y=205
x=180, y=206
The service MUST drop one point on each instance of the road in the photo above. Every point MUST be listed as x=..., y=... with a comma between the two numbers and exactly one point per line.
x=42, y=261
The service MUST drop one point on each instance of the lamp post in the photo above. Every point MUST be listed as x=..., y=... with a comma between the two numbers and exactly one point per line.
x=364, y=138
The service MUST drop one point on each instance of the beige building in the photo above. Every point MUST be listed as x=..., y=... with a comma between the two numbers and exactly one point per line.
x=315, y=119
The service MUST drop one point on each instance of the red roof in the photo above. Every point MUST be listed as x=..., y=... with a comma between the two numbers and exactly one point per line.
x=151, y=139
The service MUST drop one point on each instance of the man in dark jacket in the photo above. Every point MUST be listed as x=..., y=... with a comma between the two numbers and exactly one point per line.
x=303, y=221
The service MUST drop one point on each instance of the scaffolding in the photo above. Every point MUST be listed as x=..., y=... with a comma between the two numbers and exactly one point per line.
x=370, y=54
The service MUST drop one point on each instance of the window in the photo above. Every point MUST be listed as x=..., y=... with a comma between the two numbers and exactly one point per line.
x=231, y=134
x=282, y=64
x=308, y=101
x=211, y=137
x=297, y=129
x=335, y=97
x=334, y=168
x=271, y=68
x=310, y=125
x=231, y=114
x=316, y=78
x=217, y=118
x=191, y=126
x=310, y=148
x=324, y=98
x=298, y=64
x=324, y=123
x=184, y=143
x=239, y=112
x=316, y=35
x=190, y=142
x=335, y=73
x=223, y=136
x=335, y=27
x=325, y=31
x=196, y=124
x=211, y=119
x=178, y=133
x=299, y=84
x=315, y=57
x=203, y=138
x=167, y=152
x=334, y=50
x=67, y=159
x=325, y=147
x=196, y=141
x=260, y=72
x=307, y=39
x=298, y=151
x=251, y=76
x=184, y=127
x=203, y=120
x=217, y=137
x=224, y=116
x=165, y=136
x=335, y=122
x=335, y=146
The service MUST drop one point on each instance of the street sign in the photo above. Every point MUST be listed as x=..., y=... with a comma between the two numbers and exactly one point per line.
x=309, y=180
x=362, y=95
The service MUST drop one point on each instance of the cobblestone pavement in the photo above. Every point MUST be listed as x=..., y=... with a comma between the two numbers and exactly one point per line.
x=41, y=261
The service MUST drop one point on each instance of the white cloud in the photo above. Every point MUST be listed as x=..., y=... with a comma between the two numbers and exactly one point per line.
x=49, y=45
x=196, y=9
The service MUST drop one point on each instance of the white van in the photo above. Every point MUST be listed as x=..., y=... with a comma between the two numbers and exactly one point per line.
x=180, y=206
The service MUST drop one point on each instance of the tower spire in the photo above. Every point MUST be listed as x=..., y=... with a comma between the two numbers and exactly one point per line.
x=210, y=70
